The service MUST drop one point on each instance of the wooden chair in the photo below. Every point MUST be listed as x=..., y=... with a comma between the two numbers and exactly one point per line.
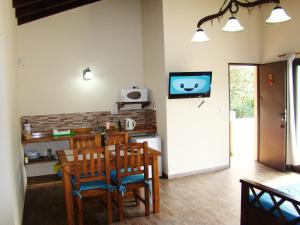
x=92, y=177
x=84, y=141
x=114, y=139
x=132, y=173
x=117, y=138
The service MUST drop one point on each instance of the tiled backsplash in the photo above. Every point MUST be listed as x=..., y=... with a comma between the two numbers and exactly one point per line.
x=88, y=119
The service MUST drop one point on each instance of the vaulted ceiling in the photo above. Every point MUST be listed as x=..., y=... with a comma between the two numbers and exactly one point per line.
x=30, y=10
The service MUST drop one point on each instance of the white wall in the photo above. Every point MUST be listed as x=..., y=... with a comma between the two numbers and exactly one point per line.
x=283, y=37
x=11, y=163
x=105, y=36
x=154, y=66
x=198, y=138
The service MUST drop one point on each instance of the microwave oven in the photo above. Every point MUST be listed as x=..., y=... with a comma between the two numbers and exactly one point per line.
x=134, y=95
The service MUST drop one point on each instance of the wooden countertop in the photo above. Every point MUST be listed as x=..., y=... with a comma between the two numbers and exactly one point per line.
x=46, y=136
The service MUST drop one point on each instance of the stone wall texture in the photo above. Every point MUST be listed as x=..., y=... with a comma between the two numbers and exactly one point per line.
x=143, y=117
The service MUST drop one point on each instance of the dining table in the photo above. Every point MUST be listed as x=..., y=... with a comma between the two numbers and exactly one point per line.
x=66, y=161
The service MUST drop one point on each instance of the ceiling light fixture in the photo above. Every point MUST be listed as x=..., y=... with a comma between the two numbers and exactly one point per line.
x=278, y=15
x=200, y=36
x=233, y=25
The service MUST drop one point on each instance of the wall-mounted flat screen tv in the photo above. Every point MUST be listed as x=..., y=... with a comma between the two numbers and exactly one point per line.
x=189, y=84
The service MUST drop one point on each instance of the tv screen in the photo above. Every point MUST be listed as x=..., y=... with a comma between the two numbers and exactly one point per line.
x=189, y=84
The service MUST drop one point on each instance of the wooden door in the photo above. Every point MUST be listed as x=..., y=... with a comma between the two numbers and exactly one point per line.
x=272, y=114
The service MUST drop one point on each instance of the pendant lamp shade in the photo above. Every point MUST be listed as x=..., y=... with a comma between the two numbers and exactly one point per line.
x=233, y=25
x=200, y=36
x=278, y=15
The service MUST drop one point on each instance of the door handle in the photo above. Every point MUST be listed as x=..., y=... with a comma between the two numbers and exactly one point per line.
x=282, y=115
x=283, y=119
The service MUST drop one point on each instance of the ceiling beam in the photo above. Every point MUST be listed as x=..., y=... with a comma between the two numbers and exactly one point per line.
x=46, y=9
x=19, y=3
x=40, y=6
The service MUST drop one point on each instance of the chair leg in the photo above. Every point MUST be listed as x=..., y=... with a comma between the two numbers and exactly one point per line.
x=120, y=207
x=80, y=211
x=147, y=201
x=109, y=207
x=114, y=199
x=137, y=192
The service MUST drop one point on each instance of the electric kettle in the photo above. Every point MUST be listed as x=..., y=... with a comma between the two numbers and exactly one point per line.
x=130, y=124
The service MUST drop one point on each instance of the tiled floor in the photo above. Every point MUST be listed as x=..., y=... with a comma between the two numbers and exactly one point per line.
x=207, y=199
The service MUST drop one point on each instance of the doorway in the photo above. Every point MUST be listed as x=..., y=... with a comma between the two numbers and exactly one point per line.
x=243, y=111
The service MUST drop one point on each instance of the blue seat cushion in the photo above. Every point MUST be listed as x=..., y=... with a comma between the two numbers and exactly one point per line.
x=59, y=173
x=128, y=179
x=90, y=185
x=287, y=208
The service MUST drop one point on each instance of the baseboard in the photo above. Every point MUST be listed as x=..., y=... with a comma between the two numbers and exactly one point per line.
x=164, y=176
x=197, y=172
x=293, y=168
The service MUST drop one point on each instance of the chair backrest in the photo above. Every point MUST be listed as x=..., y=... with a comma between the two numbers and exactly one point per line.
x=91, y=164
x=117, y=138
x=132, y=159
x=84, y=141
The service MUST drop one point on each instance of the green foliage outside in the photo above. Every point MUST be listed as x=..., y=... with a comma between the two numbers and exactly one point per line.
x=242, y=91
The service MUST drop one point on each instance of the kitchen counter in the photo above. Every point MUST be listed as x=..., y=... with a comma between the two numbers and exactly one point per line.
x=46, y=136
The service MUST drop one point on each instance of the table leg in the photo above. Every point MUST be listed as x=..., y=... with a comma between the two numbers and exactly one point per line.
x=155, y=186
x=68, y=195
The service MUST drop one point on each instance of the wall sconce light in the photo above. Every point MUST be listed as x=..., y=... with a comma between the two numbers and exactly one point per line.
x=87, y=74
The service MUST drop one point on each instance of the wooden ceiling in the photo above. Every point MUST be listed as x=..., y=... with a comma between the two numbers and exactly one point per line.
x=30, y=10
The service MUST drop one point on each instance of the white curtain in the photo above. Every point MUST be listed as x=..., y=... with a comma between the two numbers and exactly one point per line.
x=297, y=107
x=293, y=153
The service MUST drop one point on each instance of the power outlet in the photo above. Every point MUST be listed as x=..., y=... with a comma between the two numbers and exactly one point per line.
x=49, y=153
